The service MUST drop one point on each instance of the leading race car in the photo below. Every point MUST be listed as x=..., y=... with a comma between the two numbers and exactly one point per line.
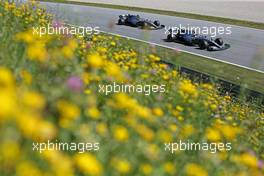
x=137, y=21
x=202, y=41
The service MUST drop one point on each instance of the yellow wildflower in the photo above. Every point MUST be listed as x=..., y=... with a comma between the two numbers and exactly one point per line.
x=187, y=130
x=158, y=112
x=114, y=71
x=186, y=87
x=69, y=48
x=37, y=51
x=36, y=128
x=207, y=86
x=27, y=168
x=213, y=134
x=10, y=151
x=88, y=164
x=120, y=133
x=165, y=136
x=146, y=169
x=169, y=168
x=195, y=170
x=61, y=163
x=26, y=76
x=153, y=151
x=7, y=104
x=113, y=43
x=6, y=78
x=179, y=108
x=230, y=132
x=121, y=165
x=145, y=132
x=102, y=50
x=25, y=36
x=93, y=112
x=95, y=61
x=34, y=100
x=101, y=128
x=68, y=110
x=249, y=160
x=173, y=127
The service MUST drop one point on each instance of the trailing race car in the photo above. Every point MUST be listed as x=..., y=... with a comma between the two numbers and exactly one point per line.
x=137, y=21
x=202, y=41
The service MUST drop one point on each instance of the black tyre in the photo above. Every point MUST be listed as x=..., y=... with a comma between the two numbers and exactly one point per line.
x=120, y=22
x=203, y=44
x=169, y=37
x=145, y=25
x=219, y=41
x=157, y=23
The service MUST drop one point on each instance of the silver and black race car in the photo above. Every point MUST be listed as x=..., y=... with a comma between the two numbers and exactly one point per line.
x=137, y=21
x=202, y=41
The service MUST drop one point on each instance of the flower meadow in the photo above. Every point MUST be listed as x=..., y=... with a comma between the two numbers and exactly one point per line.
x=49, y=92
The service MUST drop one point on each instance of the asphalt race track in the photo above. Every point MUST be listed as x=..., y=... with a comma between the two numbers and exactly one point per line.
x=247, y=45
x=251, y=10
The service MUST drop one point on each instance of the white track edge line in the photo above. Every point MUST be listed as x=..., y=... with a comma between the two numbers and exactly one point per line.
x=164, y=46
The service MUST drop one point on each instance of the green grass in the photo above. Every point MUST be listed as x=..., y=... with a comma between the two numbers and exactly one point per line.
x=49, y=94
x=245, y=23
x=240, y=76
x=237, y=75
x=234, y=74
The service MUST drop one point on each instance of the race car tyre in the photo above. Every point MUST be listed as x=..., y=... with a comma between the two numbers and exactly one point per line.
x=157, y=23
x=145, y=25
x=120, y=21
x=219, y=41
x=169, y=37
x=203, y=44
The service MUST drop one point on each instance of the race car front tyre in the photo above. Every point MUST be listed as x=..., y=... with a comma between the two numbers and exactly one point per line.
x=203, y=44
x=219, y=41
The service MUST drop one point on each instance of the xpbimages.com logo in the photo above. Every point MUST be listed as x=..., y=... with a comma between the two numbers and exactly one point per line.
x=145, y=89
x=65, y=30
x=213, y=147
x=212, y=31
x=80, y=147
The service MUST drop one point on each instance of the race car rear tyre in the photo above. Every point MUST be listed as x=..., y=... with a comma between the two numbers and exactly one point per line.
x=120, y=22
x=219, y=41
x=169, y=37
x=203, y=44
x=157, y=23
x=145, y=25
